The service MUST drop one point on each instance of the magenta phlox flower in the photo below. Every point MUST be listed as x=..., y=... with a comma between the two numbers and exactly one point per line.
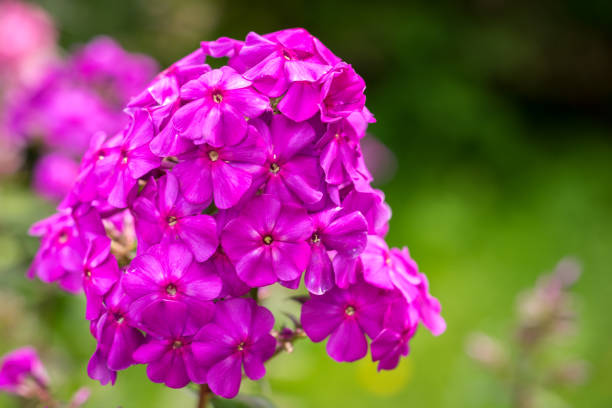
x=336, y=95
x=63, y=244
x=168, y=352
x=162, y=100
x=218, y=103
x=345, y=316
x=19, y=366
x=429, y=308
x=390, y=269
x=238, y=338
x=164, y=216
x=97, y=368
x=373, y=207
x=169, y=273
x=275, y=61
x=267, y=242
x=344, y=234
x=222, y=47
x=291, y=171
x=392, y=343
x=289, y=62
x=342, y=93
x=223, y=173
x=341, y=157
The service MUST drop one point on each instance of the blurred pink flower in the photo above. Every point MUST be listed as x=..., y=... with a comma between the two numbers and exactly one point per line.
x=379, y=159
x=27, y=42
x=17, y=367
x=103, y=63
x=10, y=154
x=54, y=175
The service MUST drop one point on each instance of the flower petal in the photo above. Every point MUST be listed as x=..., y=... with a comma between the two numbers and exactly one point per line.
x=224, y=377
x=347, y=342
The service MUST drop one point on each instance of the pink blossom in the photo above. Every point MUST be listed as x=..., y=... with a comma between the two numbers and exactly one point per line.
x=54, y=175
x=267, y=242
x=18, y=366
x=218, y=102
x=224, y=173
x=346, y=316
x=165, y=216
x=27, y=42
x=169, y=273
x=238, y=337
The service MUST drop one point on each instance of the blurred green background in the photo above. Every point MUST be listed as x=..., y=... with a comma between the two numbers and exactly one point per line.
x=499, y=115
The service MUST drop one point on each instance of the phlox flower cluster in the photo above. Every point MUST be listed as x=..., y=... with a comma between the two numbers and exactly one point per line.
x=225, y=181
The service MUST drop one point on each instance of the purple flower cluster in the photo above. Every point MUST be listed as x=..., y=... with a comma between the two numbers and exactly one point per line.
x=71, y=101
x=225, y=181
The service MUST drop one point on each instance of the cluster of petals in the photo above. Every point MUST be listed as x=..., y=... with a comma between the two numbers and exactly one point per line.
x=225, y=181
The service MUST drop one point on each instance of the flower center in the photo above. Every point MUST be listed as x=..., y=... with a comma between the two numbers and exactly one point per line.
x=315, y=239
x=267, y=239
x=349, y=311
x=177, y=344
x=217, y=97
x=274, y=168
x=119, y=319
x=63, y=238
x=241, y=346
x=124, y=158
x=213, y=155
x=388, y=260
x=172, y=221
x=88, y=273
x=101, y=156
x=286, y=55
x=171, y=289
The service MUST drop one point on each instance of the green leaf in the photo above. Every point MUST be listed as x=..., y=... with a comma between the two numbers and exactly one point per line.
x=242, y=401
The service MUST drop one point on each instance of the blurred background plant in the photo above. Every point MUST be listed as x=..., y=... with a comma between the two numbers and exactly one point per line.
x=533, y=362
x=498, y=113
x=24, y=375
x=52, y=104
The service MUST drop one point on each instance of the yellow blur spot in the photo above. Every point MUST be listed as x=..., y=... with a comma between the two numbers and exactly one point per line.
x=384, y=382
